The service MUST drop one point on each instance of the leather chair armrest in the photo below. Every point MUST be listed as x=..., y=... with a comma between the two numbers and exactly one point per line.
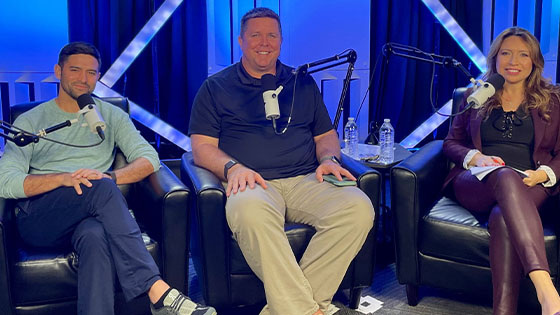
x=162, y=208
x=369, y=181
x=415, y=186
x=5, y=295
x=209, y=230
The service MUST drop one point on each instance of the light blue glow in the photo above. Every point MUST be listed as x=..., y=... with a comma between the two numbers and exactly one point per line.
x=148, y=119
x=458, y=34
x=472, y=51
x=139, y=42
x=31, y=34
x=427, y=127
x=103, y=88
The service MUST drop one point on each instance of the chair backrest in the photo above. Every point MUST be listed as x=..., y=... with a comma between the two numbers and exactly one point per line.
x=458, y=95
x=19, y=109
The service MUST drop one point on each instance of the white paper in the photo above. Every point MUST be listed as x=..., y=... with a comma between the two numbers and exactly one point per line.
x=481, y=171
x=369, y=304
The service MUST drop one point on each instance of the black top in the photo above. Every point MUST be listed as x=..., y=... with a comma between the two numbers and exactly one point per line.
x=230, y=106
x=509, y=135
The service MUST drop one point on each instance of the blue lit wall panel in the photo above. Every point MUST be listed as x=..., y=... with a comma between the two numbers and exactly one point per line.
x=526, y=14
x=549, y=36
x=271, y=4
x=31, y=34
x=314, y=30
x=222, y=32
x=240, y=7
x=503, y=16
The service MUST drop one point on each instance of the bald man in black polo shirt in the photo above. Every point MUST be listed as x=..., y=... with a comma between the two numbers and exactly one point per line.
x=275, y=175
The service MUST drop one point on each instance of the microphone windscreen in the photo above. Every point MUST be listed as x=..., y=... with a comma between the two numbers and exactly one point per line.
x=84, y=100
x=268, y=82
x=497, y=81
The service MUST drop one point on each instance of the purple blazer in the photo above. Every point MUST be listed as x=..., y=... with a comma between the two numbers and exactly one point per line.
x=464, y=135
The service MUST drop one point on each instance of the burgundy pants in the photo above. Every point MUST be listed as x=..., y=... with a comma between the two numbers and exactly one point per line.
x=516, y=232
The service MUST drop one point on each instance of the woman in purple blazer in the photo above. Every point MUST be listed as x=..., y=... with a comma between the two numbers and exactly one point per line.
x=518, y=127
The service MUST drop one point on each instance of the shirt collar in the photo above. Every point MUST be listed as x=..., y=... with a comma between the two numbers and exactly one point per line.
x=283, y=73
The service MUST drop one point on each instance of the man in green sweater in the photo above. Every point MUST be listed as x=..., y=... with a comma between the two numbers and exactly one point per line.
x=67, y=195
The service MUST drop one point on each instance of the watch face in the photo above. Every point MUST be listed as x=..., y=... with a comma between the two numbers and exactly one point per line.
x=228, y=165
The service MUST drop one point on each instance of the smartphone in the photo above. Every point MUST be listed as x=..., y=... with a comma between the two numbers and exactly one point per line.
x=344, y=182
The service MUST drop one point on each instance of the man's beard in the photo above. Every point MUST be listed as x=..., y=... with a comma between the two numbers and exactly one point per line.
x=73, y=94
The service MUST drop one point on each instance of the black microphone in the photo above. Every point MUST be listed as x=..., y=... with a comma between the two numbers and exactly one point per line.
x=494, y=83
x=270, y=96
x=93, y=118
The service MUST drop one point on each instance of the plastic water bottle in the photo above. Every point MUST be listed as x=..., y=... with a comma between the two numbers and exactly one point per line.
x=351, y=138
x=386, y=142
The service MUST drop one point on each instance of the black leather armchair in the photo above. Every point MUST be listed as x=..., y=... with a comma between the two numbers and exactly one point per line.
x=225, y=278
x=438, y=242
x=39, y=281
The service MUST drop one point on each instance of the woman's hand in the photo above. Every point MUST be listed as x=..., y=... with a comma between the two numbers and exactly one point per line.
x=480, y=159
x=535, y=177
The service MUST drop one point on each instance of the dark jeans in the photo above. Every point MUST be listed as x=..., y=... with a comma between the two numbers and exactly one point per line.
x=103, y=233
x=516, y=232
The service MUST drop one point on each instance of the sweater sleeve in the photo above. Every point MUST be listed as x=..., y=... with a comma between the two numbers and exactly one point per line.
x=14, y=165
x=129, y=140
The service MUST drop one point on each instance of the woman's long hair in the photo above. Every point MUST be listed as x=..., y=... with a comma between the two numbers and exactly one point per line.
x=538, y=90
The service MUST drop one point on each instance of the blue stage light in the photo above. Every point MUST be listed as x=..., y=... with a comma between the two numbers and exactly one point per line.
x=139, y=42
x=127, y=57
x=458, y=34
x=472, y=51
x=148, y=119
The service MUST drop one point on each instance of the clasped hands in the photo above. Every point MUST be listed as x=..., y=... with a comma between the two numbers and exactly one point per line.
x=533, y=177
x=82, y=176
x=239, y=176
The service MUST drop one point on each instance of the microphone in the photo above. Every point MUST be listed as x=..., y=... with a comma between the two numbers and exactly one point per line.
x=494, y=83
x=270, y=96
x=22, y=138
x=93, y=118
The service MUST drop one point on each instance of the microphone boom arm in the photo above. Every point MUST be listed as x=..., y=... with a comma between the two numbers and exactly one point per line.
x=419, y=55
x=350, y=58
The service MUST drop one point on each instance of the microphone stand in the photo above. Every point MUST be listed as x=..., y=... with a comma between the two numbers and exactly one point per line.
x=23, y=138
x=20, y=138
x=350, y=58
x=414, y=54
x=417, y=54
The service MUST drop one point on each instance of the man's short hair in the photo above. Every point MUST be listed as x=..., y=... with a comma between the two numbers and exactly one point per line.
x=76, y=48
x=259, y=13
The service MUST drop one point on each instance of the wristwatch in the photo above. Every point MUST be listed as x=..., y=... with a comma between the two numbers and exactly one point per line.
x=112, y=174
x=330, y=157
x=227, y=166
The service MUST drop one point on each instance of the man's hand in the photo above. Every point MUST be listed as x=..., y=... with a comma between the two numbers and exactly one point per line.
x=535, y=177
x=330, y=167
x=82, y=177
x=238, y=178
x=89, y=174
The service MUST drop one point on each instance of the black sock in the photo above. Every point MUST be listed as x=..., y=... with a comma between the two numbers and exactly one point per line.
x=159, y=303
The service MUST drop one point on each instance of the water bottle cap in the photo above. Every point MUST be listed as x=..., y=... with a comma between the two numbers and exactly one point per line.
x=386, y=120
x=350, y=118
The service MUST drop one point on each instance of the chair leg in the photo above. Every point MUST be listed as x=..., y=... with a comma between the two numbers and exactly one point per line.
x=412, y=294
x=355, y=295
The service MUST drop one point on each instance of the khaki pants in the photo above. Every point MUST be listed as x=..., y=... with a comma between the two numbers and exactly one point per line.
x=342, y=217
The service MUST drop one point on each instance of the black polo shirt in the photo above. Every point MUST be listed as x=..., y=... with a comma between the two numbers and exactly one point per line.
x=230, y=106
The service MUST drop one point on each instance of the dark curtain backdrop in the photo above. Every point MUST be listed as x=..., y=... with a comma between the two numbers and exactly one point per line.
x=167, y=74
x=401, y=91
